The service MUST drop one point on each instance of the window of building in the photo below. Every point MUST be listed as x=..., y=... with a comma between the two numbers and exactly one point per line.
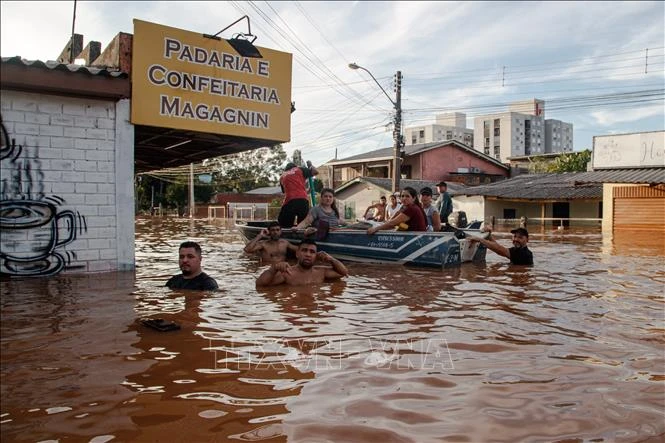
x=422, y=133
x=497, y=151
x=449, y=134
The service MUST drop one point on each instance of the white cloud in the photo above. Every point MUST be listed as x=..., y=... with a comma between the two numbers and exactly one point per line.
x=609, y=118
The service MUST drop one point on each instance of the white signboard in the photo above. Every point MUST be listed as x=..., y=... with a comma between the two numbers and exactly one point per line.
x=640, y=150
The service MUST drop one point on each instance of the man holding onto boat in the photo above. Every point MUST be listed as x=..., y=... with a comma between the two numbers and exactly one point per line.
x=192, y=277
x=304, y=272
x=519, y=254
x=296, y=201
x=273, y=249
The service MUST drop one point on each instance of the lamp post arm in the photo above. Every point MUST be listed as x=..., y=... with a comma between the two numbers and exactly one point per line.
x=375, y=81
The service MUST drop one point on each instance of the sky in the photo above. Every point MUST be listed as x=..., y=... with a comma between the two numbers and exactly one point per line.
x=598, y=65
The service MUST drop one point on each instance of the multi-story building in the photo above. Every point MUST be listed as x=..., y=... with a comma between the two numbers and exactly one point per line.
x=558, y=136
x=450, y=126
x=520, y=131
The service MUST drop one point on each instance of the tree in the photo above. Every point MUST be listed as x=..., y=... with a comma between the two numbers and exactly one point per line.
x=247, y=170
x=571, y=162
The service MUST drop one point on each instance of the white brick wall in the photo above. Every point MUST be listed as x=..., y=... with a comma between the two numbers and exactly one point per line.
x=69, y=153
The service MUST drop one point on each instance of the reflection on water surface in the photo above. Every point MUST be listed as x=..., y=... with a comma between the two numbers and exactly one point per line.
x=569, y=350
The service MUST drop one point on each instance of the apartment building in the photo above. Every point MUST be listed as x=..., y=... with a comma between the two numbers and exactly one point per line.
x=448, y=126
x=520, y=131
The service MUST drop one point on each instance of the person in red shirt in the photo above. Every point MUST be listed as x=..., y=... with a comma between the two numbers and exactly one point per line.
x=411, y=213
x=296, y=201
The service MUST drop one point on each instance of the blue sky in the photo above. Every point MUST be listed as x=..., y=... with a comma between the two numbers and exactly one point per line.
x=472, y=57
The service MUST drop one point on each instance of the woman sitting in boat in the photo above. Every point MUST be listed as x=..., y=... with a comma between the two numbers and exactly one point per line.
x=325, y=213
x=411, y=216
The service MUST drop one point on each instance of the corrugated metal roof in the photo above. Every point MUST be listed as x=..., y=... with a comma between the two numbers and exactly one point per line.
x=266, y=190
x=53, y=65
x=538, y=187
x=635, y=176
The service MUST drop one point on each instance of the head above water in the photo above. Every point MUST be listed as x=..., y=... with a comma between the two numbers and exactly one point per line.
x=274, y=230
x=306, y=253
x=189, y=259
x=191, y=244
x=520, y=237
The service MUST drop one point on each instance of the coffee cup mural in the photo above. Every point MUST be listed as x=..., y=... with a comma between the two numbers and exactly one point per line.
x=35, y=228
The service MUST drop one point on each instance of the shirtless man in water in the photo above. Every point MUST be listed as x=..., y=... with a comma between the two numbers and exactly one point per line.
x=272, y=248
x=304, y=272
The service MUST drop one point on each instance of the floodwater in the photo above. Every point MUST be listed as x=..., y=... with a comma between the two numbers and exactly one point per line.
x=569, y=350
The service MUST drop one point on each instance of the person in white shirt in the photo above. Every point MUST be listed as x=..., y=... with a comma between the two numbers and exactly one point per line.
x=394, y=206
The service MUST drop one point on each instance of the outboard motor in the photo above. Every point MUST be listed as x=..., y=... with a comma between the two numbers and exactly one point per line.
x=458, y=219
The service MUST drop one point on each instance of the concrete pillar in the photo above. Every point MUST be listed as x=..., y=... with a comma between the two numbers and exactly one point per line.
x=124, y=185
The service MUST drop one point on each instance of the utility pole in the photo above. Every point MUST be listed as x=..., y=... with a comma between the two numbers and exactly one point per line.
x=191, y=190
x=397, y=130
x=397, y=133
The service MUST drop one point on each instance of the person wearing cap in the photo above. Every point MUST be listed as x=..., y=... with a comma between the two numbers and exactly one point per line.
x=443, y=204
x=296, y=200
x=431, y=213
x=519, y=254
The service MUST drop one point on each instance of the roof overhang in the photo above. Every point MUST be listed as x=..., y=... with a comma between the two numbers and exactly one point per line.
x=23, y=77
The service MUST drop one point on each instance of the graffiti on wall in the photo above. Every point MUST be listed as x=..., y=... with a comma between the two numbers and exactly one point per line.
x=35, y=228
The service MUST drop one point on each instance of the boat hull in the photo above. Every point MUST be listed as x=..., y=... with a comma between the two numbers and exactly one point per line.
x=435, y=249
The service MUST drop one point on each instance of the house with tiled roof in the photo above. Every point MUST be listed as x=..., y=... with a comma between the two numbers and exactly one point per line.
x=448, y=160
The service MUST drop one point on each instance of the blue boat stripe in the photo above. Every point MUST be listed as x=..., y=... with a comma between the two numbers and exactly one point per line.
x=422, y=250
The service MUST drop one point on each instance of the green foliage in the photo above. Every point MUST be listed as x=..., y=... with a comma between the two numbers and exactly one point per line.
x=572, y=162
x=569, y=162
x=248, y=170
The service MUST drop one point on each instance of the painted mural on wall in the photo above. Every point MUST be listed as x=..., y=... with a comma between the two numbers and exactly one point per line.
x=35, y=228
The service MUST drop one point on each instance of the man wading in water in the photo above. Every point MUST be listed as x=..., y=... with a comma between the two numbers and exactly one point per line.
x=192, y=277
x=519, y=254
x=304, y=272
x=272, y=248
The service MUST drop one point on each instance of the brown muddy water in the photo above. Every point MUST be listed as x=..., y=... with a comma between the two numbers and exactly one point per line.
x=569, y=350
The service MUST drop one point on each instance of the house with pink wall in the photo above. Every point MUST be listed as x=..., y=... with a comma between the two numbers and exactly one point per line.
x=449, y=160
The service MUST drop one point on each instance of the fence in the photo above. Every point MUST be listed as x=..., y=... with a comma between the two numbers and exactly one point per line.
x=554, y=221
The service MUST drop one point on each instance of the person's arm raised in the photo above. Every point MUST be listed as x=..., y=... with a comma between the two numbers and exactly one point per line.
x=338, y=269
x=274, y=275
x=253, y=245
x=492, y=245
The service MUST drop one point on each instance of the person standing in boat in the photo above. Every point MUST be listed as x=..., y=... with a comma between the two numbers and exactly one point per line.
x=431, y=213
x=519, y=254
x=296, y=201
x=410, y=214
x=443, y=204
x=304, y=272
x=273, y=249
x=325, y=212
x=393, y=208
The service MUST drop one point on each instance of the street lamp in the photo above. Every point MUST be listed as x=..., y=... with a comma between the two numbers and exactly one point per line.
x=397, y=131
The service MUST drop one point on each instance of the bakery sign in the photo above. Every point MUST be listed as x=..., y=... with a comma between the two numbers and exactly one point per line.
x=182, y=80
